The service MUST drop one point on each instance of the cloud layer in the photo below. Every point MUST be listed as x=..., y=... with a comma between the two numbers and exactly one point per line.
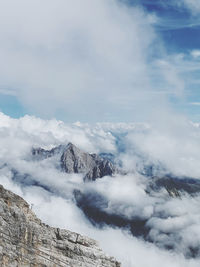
x=173, y=222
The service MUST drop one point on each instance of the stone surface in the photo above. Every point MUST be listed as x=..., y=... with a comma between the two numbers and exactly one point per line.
x=74, y=160
x=26, y=241
x=40, y=153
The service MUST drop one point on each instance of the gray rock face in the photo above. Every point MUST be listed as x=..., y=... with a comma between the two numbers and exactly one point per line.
x=26, y=241
x=40, y=153
x=74, y=160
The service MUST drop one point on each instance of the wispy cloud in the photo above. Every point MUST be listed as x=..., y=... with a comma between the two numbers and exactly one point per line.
x=174, y=15
x=7, y=92
x=195, y=103
x=192, y=5
x=195, y=53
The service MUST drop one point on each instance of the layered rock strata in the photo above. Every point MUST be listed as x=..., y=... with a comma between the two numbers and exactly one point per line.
x=26, y=241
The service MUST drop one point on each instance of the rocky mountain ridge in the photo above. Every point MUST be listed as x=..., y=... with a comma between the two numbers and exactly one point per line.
x=96, y=206
x=26, y=241
x=74, y=160
x=93, y=166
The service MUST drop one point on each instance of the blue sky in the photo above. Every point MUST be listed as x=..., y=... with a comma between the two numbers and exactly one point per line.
x=161, y=42
x=179, y=28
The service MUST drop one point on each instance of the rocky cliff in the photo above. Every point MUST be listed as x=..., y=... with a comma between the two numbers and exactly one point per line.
x=26, y=241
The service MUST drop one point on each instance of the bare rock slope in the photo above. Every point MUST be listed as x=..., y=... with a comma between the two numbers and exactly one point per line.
x=74, y=160
x=26, y=241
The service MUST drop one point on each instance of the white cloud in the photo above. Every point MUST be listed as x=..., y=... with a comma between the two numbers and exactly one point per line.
x=71, y=55
x=88, y=60
x=195, y=103
x=174, y=142
x=195, y=53
x=170, y=220
x=192, y=5
x=7, y=92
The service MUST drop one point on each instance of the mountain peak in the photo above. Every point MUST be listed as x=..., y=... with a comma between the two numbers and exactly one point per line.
x=75, y=160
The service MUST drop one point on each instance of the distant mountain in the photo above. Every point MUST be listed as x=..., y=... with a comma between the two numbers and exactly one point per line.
x=93, y=166
x=175, y=186
x=74, y=160
x=40, y=153
x=95, y=205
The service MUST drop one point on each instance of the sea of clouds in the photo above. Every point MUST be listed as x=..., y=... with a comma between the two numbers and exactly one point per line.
x=93, y=60
x=173, y=222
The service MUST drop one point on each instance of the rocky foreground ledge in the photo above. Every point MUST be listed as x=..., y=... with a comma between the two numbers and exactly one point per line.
x=26, y=241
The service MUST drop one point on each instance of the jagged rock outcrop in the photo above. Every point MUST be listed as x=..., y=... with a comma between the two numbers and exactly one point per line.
x=26, y=241
x=74, y=160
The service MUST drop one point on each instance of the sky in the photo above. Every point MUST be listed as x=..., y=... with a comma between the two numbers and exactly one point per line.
x=69, y=66
x=117, y=60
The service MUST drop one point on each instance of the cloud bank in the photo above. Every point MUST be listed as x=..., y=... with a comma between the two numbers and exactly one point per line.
x=104, y=61
x=173, y=223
